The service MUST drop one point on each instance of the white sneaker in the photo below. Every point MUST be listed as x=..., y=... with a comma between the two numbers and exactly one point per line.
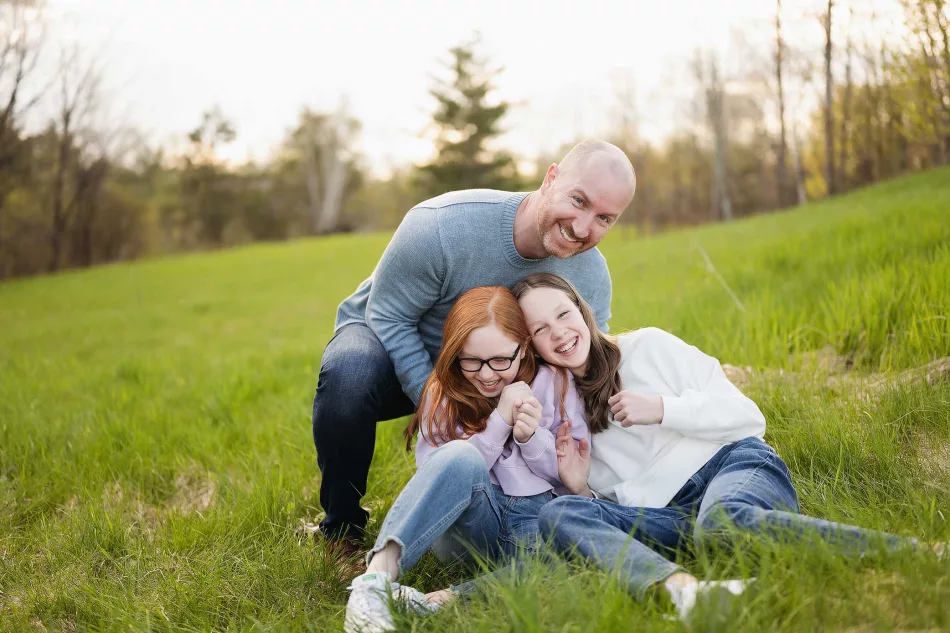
x=940, y=549
x=414, y=599
x=721, y=592
x=371, y=597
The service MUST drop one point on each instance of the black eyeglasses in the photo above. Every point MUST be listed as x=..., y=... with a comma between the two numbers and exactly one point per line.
x=498, y=363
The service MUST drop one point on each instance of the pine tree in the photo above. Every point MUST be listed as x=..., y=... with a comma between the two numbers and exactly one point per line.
x=466, y=124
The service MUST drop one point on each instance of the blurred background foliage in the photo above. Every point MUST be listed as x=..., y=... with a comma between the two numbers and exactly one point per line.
x=78, y=192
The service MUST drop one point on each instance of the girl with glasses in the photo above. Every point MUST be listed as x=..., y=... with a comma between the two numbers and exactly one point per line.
x=485, y=453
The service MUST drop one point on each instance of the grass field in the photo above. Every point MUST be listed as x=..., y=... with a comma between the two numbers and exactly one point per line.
x=156, y=454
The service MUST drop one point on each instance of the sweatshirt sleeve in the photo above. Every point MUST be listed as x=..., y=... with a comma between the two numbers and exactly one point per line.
x=539, y=451
x=490, y=442
x=706, y=405
x=406, y=283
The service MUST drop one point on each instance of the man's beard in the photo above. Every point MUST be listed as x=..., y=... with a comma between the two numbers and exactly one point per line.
x=548, y=239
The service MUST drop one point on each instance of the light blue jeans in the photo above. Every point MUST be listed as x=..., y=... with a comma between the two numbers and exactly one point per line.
x=745, y=487
x=451, y=507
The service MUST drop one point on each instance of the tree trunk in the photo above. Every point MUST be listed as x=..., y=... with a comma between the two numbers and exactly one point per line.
x=312, y=178
x=845, y=129
x=781, y=170
x=829, y=114
x=943, y=27
x=3, y=235
x=58, y=228
x=799, y=168
x=334, y=179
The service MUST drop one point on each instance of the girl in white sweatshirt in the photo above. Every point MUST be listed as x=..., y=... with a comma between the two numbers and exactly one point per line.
x=677, y=453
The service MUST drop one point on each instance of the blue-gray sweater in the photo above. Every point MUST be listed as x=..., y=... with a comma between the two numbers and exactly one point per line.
x=444, y=247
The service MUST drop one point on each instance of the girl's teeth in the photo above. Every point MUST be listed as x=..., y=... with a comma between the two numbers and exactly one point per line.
x=567, y=348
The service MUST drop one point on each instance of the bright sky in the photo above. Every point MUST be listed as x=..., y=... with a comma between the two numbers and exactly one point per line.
x=166, y=61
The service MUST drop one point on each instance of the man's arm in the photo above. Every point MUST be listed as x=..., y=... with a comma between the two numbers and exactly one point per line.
x=406, y=283
x=600, y=295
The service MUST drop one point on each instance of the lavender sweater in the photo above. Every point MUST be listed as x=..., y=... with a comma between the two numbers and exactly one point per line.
x=525, y=469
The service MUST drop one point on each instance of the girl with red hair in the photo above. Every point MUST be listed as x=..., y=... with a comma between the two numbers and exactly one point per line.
x=485, y=453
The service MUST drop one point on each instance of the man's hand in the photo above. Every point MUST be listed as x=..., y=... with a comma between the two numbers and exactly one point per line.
x=573, y=461
x=635, y=408
x=511, y=396
x=527, y=419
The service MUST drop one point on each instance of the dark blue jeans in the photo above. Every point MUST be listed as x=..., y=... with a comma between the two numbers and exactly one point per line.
x=356, y=389
x=745, y=487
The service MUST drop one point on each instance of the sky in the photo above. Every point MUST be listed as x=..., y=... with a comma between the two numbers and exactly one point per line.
x=564, y=63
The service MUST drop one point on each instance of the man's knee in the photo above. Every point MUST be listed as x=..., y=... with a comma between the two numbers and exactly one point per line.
x=353, y=367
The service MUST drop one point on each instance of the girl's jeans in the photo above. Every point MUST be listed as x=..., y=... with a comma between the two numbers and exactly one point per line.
x=451, y=507
x=745, y=487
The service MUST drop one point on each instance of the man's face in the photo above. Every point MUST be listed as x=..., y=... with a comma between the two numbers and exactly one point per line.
x=579, y=206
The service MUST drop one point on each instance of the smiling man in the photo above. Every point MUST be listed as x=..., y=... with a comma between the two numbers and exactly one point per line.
x=389, y=332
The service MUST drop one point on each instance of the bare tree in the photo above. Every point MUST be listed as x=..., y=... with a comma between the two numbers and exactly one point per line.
x=931, y=18
x=844, y=134
x=781, y=170
x=828, y=105
x=21, y=38
x=707, y=73
x=78, y=90
x=325, y=146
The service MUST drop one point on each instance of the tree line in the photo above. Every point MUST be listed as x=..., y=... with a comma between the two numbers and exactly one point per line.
x=793, y=122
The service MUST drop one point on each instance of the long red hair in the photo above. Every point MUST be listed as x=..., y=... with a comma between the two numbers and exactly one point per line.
x=451, y=408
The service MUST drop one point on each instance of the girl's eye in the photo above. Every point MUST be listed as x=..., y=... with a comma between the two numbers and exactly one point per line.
x=562, y=314
x=537, y=331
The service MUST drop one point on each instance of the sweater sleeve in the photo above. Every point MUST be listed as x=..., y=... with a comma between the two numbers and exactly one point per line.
x=406, y=283
x=490, y=442
x=539, y=451
x=600, y=296
x=706, y=405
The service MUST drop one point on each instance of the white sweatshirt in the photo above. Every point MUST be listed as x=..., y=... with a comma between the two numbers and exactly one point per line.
x=645, y=466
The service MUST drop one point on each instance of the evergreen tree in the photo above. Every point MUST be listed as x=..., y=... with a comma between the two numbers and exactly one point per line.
x=467, y=122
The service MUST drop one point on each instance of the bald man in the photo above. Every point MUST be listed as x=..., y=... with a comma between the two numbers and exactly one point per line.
x=388, y=333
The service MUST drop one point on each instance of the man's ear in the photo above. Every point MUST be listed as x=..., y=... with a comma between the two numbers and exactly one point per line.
x=550, y=176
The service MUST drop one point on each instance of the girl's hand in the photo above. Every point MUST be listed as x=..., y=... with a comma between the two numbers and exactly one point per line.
x=636, y=408
x=511, y=396
x=573, y=461
x=527, y=419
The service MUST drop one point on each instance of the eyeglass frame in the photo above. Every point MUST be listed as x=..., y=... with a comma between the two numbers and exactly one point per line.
x=482, y=362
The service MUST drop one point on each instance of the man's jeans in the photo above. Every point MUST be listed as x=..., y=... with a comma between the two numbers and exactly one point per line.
x=357, y=388
x=745, y=487
x=451, y=507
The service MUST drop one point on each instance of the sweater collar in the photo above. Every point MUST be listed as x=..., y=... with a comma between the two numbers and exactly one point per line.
x=508, y=232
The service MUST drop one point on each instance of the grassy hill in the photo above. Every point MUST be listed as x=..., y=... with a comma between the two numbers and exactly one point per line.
x=156, y=454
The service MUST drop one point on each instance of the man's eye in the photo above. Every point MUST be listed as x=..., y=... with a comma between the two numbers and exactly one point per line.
x=604, y=218
x=578, y=200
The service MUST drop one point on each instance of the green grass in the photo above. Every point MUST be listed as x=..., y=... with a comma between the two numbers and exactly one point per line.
x=156, y=455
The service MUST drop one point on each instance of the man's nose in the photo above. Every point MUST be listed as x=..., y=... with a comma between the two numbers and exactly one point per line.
x=581, y=226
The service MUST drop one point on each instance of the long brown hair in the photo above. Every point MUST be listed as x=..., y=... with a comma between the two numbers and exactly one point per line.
x=602, y=378
x=451, y=407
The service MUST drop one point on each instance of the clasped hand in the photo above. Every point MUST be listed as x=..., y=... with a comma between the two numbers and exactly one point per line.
x=520, y=410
